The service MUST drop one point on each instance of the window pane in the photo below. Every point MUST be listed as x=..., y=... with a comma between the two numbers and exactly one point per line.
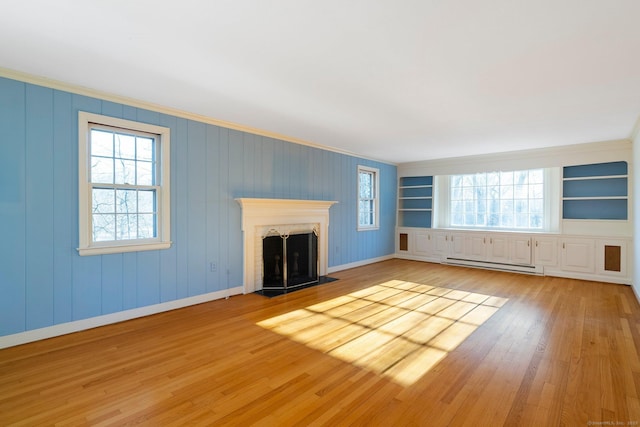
x=522, y=206
x=536, y=176
x=103, y=201
x=146, y=201
x=506, y=220
x=104, y=227
x=125, y=146
x=144, y=149
x=536, y=191
x=366, y=185
x=127, y=227
x=506, y=192
x=469, y=219
x=144, y=173
x=126, y=201
x=521, y=191
x=456, y=193
x=102, y=170
x=521, y=177
x=536, y=206
x=146, y=226
x=522, y=220
x=125, y=172
x=101, y=143
x=506, y=178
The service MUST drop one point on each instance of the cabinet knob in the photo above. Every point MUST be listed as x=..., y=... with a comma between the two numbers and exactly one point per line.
x=528, y=243
x=536, y=243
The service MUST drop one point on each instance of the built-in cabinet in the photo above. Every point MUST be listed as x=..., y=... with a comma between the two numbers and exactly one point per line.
x=581, y=257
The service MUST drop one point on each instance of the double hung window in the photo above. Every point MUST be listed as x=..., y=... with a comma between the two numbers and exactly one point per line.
x=124, y=185
x=368, y=195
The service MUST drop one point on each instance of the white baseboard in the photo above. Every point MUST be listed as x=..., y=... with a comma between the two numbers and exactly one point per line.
x=359, y=263
x=120, y=316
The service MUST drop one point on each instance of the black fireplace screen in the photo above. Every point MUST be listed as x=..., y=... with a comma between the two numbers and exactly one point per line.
x=289, y=260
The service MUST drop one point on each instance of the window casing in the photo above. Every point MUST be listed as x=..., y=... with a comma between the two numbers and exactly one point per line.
x=124, y=192
x=368, y=198
x=524, y=200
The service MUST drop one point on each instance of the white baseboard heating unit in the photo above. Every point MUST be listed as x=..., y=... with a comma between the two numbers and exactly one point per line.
x=516, y=268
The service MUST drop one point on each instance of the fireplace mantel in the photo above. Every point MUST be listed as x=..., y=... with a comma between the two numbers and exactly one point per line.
x=260, y=213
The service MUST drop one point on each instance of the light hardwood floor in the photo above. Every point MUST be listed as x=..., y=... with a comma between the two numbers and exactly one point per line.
x=394, y=343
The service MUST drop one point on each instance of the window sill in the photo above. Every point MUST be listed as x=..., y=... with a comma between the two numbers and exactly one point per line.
x=368, y=228
x=104, y=250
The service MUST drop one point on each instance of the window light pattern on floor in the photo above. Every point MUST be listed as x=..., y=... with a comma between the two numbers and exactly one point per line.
x=397, y=329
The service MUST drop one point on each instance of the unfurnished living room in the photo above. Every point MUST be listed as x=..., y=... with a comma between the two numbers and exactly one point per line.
x=296, y=213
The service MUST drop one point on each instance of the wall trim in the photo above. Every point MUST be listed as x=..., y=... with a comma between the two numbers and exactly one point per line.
x=107, y=319
x=360, y=263
x=94, y=93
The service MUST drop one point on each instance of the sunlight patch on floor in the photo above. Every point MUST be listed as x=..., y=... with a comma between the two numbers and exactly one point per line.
x=397, y=329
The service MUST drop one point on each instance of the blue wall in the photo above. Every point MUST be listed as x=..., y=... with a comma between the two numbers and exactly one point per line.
x=44, y=282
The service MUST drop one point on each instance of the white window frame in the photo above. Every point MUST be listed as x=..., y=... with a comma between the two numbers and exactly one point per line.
x=376, y=198
x=163, y=193
x=552, y=206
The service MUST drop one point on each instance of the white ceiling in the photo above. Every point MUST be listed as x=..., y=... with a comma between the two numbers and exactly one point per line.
x=399, y=80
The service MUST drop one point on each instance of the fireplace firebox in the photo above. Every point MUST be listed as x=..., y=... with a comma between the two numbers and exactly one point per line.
x=289, y=260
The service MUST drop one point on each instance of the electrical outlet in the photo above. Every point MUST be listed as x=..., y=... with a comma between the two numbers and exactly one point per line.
x=213, y=267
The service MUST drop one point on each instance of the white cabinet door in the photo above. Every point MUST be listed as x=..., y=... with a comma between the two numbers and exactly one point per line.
x=423, y=243
x=457, y=248
x=577, y=255
x=521, y=250
x=545, y=251
x=440, y=241
x=498, y=248
x=476, y=247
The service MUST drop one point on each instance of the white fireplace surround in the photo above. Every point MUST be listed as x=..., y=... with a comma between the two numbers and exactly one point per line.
x=282, y=215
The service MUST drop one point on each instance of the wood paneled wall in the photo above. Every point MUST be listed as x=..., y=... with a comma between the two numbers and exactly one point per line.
x=43, y=280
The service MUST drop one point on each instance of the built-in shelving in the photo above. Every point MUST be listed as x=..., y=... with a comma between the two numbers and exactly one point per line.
x=595, y=191
x=415, y=201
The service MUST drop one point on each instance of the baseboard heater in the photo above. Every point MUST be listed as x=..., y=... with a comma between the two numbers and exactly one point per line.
x=516, y=268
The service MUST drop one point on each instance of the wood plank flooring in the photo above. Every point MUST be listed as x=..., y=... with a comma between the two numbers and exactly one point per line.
x=393, y=343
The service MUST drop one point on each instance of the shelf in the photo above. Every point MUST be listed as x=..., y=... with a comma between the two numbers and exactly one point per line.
x=415, y=201
x=587, y=178
x=596, y=191
x=596, y=198
x=596, y=170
